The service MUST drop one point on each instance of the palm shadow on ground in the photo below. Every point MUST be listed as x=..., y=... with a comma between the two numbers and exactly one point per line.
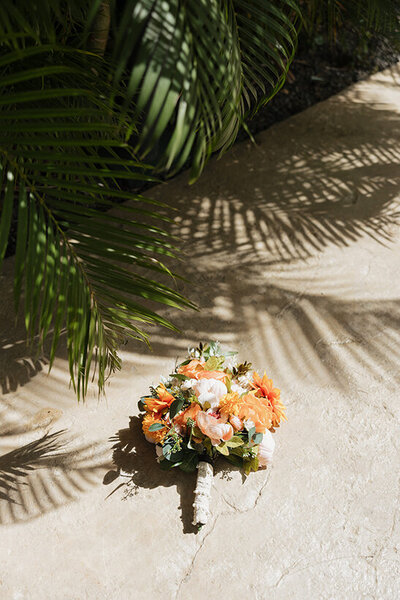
x=47, y=473
x=302, y=198
x=251, y=245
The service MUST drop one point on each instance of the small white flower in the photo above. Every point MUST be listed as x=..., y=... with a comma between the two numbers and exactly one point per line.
x=209, y=392
x=188, y=383
x=235, y=387
x=230, y=362
x=248, y=423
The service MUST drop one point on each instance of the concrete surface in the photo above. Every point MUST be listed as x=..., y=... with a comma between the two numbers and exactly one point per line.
x=295, y=249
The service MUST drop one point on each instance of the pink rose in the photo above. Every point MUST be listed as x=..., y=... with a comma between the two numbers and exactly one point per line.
x=216, y=429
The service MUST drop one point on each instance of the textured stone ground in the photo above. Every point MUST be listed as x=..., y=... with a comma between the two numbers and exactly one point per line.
x=295, y=249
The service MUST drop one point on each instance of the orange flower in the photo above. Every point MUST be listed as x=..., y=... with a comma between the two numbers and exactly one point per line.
x=195, y=370
x=247, y=407
x=264, y=389
x=189, y=413
x=164, y=400
x=155, y=437
x=191, y=369
x=218, y=375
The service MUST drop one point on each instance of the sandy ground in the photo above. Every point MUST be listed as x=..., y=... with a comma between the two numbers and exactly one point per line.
x=294, y=246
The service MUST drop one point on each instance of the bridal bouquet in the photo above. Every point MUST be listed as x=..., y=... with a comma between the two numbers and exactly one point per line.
x=210, y=407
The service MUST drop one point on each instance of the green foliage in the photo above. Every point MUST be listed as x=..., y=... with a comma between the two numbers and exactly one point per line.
x=63, y=152
x=197, y=68
x=364, y=15
x=44, y=21
x=175, y=407
x=156, y=427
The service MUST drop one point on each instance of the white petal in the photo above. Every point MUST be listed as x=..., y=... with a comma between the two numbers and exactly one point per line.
x=266, y=449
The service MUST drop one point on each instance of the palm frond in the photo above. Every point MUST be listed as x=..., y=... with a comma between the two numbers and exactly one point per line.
x=62, y=155
x=376, y=15
x=196, y=68
x=42, y=21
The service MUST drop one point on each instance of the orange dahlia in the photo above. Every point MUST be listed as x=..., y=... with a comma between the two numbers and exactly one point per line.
x=158, y=405
x=272, y=397
x=156, y=437
x=247, y=407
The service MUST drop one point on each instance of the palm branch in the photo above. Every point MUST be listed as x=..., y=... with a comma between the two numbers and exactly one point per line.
x=63, y=152
x=197, y=69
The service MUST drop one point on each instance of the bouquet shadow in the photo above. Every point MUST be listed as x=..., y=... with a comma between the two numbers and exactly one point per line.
x=134, y=462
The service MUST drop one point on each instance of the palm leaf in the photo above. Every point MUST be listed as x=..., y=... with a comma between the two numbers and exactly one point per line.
x=43, y=21
x=196, y=68
x=81, y=268
x=377, y=15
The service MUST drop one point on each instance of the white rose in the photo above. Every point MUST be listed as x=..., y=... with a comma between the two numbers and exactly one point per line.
x=266, y=449
x=209, y=392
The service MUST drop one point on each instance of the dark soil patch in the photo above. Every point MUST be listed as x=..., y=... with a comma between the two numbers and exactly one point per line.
x=322, y=69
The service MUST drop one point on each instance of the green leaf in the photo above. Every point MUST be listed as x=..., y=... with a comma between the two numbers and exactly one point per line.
x=190, y=461
x=213, y=348
x=251, y=465
x=251, y=433
x=185, y=362
x=65, y=145
x=175, y=457
x=175, y=407
x=214, y=363
x=234, y=442
x=257, y=438
x=142, y=404
x=167, y=449
x=223, y=448
x=235, y=460
x=166, y=465
x=225, y=59
x=156, y=427
x=6, y=211
x=179, y=376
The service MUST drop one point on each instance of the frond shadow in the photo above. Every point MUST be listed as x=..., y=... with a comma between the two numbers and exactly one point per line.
x=249, y=242
x=46, y=474
x=18, y=364
x=291, y=202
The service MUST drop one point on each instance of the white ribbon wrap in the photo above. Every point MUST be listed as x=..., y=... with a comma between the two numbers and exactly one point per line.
x=201, y=504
